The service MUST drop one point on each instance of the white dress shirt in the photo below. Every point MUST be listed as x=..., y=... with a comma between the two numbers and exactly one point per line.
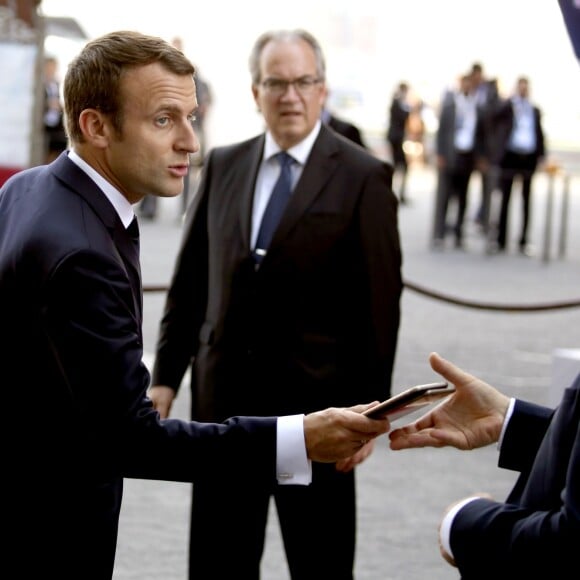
x=465, y=122
x=523, y=135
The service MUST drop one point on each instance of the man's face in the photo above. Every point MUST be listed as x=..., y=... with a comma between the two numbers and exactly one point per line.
x=290, y=111
x=523, y=89
x=151, y=154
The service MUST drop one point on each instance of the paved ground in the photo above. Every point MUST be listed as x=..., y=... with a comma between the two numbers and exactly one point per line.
x=401, y=494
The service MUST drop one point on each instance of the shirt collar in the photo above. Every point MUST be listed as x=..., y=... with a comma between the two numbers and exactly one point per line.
x=300, y=151
x=117, y=199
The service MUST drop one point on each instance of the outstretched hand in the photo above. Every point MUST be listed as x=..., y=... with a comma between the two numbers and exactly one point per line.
x=472, y=417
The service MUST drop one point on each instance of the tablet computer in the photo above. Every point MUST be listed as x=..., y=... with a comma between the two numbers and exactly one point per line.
x=410, y=400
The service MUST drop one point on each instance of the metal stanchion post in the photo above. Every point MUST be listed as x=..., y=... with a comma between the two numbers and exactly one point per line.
x=552, y=169
x=441, y=193
x=548, y=223
x=564, y=218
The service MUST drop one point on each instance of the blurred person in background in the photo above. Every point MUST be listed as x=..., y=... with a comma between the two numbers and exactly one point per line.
x=342, y=126
x=520, y=148
x=399, y=112
x=487, y=99
x=55, y=139
x=460, y=148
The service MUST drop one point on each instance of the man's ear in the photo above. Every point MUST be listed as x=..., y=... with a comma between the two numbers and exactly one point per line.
x=324, y=95
x=95, y=127
x=255, y=93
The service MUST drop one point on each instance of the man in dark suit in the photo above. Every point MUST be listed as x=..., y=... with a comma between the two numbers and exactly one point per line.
x=399, y=112
x=486, y=95
x=519, y=149
x=77, y=419
x=54, y=132
x=343, y=127
x=460, y=148
x=535, y=533
x=310, y=319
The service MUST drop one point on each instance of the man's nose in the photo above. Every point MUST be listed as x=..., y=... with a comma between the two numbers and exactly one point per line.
x=189, y=142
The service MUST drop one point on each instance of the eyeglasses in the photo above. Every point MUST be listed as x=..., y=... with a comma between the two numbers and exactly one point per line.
x=278, y=87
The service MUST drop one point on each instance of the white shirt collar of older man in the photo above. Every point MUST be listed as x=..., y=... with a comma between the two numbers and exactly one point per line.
x=299, y=152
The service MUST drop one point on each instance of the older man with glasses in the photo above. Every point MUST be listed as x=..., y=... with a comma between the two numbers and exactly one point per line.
x=286, y=297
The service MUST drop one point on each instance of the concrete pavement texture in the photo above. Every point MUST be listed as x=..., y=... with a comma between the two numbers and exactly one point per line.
x=401, y=495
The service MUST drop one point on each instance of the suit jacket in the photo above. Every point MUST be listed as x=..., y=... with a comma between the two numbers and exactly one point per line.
x=488, y=102
x=317, y=323
x=445, y=137
x=536, y=533
x=77, y=417
x=346, y=129
x=503, y=121
x=398, y=117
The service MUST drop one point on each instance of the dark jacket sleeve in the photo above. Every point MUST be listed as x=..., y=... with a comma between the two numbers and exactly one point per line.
x=523, y=435
x=536, y=532
x=97, y=336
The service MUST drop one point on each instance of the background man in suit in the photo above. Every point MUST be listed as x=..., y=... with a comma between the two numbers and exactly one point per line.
x=312, y=319
x=343, y=127
x=520, y=147
x=536, y=532
x=486, y=96
x=54, y=132
x=399, y=112
x=78, y=420
x=460, y=148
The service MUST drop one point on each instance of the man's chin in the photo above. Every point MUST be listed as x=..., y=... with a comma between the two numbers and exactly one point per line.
x=292, y=133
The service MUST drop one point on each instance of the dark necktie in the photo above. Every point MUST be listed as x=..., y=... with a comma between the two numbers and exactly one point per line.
x=133, y=231
x=276, y=206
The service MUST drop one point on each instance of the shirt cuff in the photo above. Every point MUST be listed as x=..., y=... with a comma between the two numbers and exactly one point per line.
x=447, y=522
x=508, y=416
x=292, y=464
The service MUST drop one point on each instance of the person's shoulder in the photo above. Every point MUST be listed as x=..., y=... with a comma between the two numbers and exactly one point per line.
x=357, y=157
x=229, y=149
x=338, y=123
x=23, y=178
x=346, y=129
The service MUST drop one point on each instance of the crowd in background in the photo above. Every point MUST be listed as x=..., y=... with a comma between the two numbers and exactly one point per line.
x=496, y=137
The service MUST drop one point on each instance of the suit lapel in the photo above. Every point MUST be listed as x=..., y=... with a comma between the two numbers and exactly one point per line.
x=319, y=168
x=248, y=170
x=78, y=181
